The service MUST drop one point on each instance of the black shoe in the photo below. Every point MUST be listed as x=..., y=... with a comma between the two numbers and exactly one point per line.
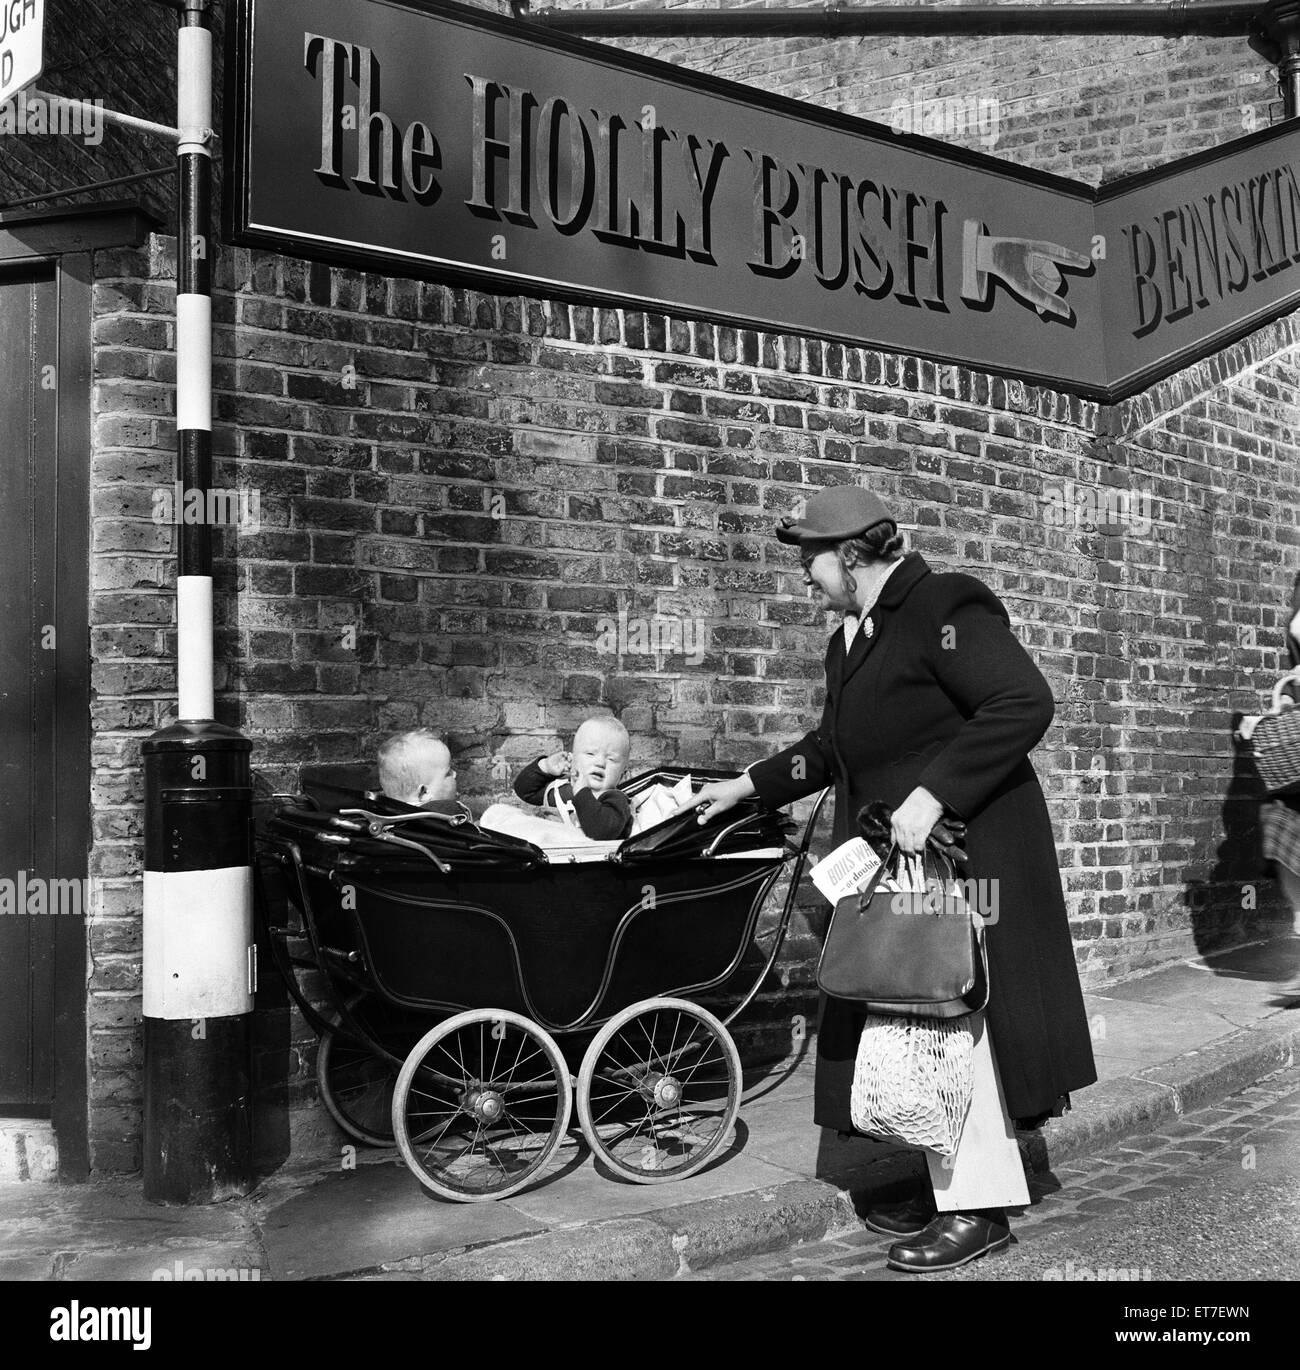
x=903, y=1219
x=952, y=1239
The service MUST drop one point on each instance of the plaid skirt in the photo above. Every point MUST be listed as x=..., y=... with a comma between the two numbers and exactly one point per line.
x=1280, y=831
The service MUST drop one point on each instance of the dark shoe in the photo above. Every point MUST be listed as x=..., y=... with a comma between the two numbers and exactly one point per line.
x=952, y=1239
x=904, y=1219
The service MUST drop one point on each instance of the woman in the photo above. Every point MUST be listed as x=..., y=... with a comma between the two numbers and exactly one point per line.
x=933, y=706
x=1280, y=818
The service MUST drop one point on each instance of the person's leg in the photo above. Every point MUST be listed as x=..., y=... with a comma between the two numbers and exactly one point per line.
x=974, y=1186
x=1290, y=882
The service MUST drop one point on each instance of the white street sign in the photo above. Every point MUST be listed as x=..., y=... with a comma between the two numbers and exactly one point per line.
x=22, y=44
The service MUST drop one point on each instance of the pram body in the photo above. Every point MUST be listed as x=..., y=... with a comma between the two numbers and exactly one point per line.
x=475, y=983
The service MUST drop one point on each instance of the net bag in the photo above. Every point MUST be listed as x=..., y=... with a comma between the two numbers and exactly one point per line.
x=912, y=1081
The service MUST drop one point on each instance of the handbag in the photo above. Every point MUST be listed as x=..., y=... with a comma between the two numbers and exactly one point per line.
x=1275, y=743
x=913, y=1080
x=907, y=944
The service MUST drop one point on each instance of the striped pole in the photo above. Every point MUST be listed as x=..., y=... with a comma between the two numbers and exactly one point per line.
x=199, y=960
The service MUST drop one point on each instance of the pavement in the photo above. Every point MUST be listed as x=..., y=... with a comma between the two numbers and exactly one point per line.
x=1167, y=1044
x=1211, y=1197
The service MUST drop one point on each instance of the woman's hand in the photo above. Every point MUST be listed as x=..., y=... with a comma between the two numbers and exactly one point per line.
x=719, y=797
x=914, y=818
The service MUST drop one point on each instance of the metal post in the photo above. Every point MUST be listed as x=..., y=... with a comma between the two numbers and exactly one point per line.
x=199, y=967
x=1277, y=35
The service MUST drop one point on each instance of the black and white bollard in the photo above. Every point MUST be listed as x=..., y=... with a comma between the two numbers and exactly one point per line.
x=199, y=964
x=199, y=957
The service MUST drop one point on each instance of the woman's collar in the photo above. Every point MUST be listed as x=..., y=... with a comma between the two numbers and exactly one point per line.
x=902, y=580
x=898, y=582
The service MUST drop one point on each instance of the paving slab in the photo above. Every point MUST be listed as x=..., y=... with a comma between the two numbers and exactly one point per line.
x=46, y=1218
x=1147, y=1030
x=596, y=1195
x=364, y=1218
x=1238, y=983
x=38, y=1267
x=186, y=1261
x=621, y=1249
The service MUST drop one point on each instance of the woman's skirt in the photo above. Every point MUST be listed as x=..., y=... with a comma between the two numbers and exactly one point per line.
x=1279, y=821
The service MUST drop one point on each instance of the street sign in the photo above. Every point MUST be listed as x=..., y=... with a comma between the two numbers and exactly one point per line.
x=22, y=44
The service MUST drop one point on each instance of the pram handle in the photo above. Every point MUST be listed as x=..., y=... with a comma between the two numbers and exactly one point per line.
x=381, y=834
x=726, y=832
x=376, y=823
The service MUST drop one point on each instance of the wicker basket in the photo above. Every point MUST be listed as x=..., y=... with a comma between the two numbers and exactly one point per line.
x=1275, y=744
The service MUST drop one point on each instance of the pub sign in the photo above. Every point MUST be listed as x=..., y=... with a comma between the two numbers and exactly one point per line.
x=431, y=140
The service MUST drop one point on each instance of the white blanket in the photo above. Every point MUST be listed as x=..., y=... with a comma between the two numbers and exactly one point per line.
x=542, y=832
x=657, y=802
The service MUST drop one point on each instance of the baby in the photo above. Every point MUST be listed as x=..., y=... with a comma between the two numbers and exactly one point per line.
x=415, y=768
x=583, y=784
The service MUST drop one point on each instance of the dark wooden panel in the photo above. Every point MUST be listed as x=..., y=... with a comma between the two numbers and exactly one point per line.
x=28, y=646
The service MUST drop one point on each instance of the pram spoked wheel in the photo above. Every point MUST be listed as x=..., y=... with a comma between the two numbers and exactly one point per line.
x=481, y=1104
x=659, y=1090
x=356, y=1086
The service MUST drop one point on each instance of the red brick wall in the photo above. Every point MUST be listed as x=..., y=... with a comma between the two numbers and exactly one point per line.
x=639, y=462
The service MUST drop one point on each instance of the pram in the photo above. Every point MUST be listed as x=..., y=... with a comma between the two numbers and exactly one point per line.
x=475, y=985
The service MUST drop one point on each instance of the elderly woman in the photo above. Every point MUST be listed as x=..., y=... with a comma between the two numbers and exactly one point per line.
x=933, y=706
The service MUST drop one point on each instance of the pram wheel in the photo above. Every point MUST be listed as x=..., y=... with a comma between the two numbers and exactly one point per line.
x=356, y=1086
x=481, y=1104
x=659, y=1090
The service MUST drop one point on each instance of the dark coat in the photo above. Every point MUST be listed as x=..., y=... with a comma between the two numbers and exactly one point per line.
x=943, y=696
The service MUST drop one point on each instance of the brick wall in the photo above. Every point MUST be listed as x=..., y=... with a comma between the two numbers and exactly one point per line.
x=1091, y=107
x=123, y=54
x=443, y=528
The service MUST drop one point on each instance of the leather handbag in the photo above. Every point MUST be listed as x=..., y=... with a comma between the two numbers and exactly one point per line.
x=908, y=944
x=1275, y=743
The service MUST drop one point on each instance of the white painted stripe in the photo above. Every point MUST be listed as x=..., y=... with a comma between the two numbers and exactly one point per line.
x=194, y=88
x=194, y=646
x=198, y=928
x=194, y=362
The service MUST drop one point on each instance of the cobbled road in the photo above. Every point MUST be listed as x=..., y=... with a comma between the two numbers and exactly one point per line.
x=1214, y=1196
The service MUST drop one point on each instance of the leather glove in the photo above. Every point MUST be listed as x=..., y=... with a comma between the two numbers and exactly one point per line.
x=945, y=838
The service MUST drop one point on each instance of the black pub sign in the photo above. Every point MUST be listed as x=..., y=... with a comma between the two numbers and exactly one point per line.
x=427, y=139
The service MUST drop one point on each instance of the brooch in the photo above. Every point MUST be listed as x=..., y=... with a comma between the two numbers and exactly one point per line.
x=868, y=627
